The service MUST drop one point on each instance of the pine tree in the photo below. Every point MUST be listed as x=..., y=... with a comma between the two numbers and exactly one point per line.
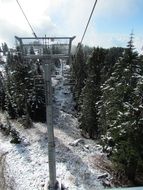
x=46, y=50
x=78, y=73
x=90, y=95
x=2, y=92
x=4, y=48
x=0, y=50
x=55, y=49
x=112, y=55
x=121, y=112
x=32, y=50
x=25, y=51
x=23, y=99
x=87, y=51
x=19, y=85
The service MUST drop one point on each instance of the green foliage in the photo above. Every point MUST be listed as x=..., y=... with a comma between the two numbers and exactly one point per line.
x=87, y=51
x=46, y=50
x=25, y=51
x=78, y=73
x=4, y=48
x=88, y=113
x=22, y=96
x=15, y=137
x=2, y=92
x=108, y=91
x=56, y=49
x=90, y=95
x=121, y=111
x=112, y=55
x=32, y=50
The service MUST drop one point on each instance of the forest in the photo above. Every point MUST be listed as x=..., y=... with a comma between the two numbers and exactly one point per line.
x=108, y=92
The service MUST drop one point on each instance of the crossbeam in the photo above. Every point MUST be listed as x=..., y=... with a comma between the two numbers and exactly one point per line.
x=42, y=45
x=46, y=56
x=43, y=38
x=39, y=48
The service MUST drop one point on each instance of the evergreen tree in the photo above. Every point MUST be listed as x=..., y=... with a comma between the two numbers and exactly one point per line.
x=46, y=50
x=32, y=50
x=121, y=112
x=4, y=48
x=87, y=51
x=25, y=51
x=112, y=55
x=55, y=49
x=90, y=95
x=19, y=85
x=2, y=92
x=0, y=50
x=23, y=99
x=78, y=73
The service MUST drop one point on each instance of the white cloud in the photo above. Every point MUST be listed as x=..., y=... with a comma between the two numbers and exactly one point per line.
x=12, y=21
x=66, y=17
x=8, y=31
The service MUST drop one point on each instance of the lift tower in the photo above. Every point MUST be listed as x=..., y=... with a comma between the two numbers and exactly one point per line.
x=46, y=49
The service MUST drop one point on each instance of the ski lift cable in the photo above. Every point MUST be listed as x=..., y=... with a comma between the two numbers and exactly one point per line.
x=26, y=18
x=88, y=21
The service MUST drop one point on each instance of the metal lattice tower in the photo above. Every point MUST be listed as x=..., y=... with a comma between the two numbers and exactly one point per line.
x=46, y=49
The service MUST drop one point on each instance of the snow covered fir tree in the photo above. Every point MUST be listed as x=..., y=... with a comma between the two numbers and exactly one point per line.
x=90, y=94
x=78, y=73
x=121, y=113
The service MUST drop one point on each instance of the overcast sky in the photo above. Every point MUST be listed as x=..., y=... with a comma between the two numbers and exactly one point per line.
x=111, y=24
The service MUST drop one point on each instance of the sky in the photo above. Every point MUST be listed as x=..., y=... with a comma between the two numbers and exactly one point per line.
x=111, y=23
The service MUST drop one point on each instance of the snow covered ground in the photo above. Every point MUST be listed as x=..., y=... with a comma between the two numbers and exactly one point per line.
x=26, y=164
x=1, y=68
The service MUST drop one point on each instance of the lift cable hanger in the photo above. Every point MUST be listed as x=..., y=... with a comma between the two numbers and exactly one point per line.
x=26, y=19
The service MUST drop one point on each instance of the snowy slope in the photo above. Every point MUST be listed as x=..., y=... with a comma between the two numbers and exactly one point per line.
x=27, y=163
